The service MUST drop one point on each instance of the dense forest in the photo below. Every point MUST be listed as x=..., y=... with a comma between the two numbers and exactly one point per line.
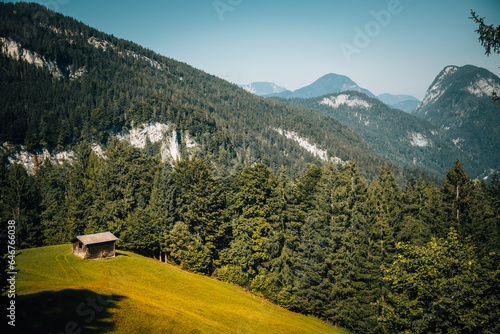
x=367, y=256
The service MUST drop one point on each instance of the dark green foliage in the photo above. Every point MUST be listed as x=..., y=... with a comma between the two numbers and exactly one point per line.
x=418, y=218
x=248, y=206
x=319, y=244
x=123, y=184
x=198, y=213
x=21, y=203
x=441, y=288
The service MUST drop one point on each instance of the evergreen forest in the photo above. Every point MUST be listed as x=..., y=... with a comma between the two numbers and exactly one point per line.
x=367, y=256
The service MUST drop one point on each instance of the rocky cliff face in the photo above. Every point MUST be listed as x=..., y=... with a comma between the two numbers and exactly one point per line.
x=459, y=102
x=170, y=140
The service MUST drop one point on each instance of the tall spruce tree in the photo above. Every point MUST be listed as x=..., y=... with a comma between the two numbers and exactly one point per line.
x=348, y=270
x=386, y=218
x=457, y=192
x=81, y=189
x=123, y=184
x=54, y=182
x=417, y=217
x=249, y=211
x=312, y=282
x=286, y=222
x=467, y=208
x=200, y=204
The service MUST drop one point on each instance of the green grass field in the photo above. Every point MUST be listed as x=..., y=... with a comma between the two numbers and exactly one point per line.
x=60, y=293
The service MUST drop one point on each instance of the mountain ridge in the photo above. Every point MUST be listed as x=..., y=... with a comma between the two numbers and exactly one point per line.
x=122, y=86
x=396, y=135
x=456, y=120
x=459, y=101
x=329, y=83
x=263, y=88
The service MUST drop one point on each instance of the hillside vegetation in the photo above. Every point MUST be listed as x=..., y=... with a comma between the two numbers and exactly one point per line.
x=88, y=85
x=397, y=136
x=134, y=294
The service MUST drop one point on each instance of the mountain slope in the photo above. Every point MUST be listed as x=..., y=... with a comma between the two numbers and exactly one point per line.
x=407, y=103
x=69, y=82
x=399, y=137
x=327, y=84
x=459, y=103
x=132, y=294
x=391, y=99
x=407, y=106
x=264, y=88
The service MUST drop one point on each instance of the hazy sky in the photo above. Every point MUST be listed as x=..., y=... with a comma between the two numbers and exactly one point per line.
x=385, y=46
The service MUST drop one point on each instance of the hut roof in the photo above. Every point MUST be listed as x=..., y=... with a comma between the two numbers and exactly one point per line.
x=96, y=238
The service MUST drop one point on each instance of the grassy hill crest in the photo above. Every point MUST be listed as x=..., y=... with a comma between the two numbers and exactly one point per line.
x=59, y=292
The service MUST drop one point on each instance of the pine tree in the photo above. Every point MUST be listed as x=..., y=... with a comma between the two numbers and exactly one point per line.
x=312, y=282
x=385, y=208
x=457, y=196
x=286, y=222
x=81, y=189
x=21, y=204
x=122, y=185
x=249, y=209
x=466, y=207
x=199, y=203
x=349, y=306
x=53, y=183
x=417, y=218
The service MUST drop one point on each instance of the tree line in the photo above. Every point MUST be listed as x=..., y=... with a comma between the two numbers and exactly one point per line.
x=368, y=256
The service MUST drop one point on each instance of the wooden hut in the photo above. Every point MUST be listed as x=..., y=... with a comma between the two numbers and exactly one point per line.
x=94, y=246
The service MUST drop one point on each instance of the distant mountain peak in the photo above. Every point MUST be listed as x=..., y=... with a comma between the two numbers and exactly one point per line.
x=263, y=88
x=467, y=79
x=328, y=84
x=437, y=88
x=407, y=103
x=459, y=102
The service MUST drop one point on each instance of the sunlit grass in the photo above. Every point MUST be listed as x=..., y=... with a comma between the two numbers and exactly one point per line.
x=134, y=294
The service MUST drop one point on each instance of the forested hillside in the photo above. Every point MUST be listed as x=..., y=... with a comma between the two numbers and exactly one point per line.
x=321, y=244
x=64, y=82
x=397, y=136
x=251, y=203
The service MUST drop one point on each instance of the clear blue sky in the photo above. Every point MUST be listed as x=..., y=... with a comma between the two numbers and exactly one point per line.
x=293, y=43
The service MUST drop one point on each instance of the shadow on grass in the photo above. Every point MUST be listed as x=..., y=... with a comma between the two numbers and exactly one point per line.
x=65, y=311
x=118, y=253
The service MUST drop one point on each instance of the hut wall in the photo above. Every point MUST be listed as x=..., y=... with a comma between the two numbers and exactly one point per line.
x=79, y=249
x=101, y=251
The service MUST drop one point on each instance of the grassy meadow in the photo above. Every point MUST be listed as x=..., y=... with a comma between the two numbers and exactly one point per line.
x=61, y=293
